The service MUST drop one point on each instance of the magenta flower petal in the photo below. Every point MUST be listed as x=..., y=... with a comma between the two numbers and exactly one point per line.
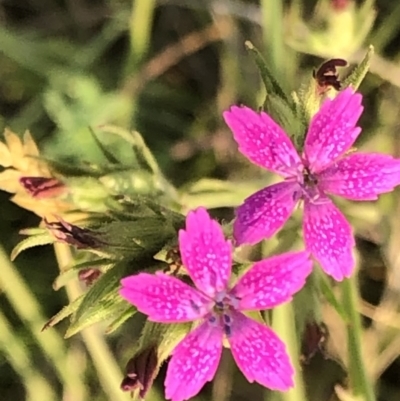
x=164, y=298
x=272, y=281
x=262, y=140
x=333, y=129
x=361, y=176
x=194, y=362
x=205, y=252
x=260, y=354
x=265, y=212
x=328, y=236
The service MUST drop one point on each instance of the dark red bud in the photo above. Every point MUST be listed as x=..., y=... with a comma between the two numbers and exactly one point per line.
x=42, y=187
x=141, y=371
x=89, y=276
x=314, y=339
x=80, y=237
x=340, y=5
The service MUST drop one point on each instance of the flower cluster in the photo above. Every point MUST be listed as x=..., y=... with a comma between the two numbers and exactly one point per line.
x=325, y=166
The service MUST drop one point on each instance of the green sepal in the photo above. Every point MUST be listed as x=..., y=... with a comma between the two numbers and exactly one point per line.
x=309, y=101
x=165, y=336
x=124, y=315
x=279, y=105
x=31, y=242
x=136, y=238
x=104, y=309
x=292, y=119
x=358, y=74
x=271, y=84
x=64, y=312
x=100, y=302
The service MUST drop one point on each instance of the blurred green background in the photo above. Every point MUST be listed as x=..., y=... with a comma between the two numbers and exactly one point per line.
x=168, y=69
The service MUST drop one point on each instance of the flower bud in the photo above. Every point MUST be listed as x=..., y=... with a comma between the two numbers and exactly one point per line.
x=42, y=187
x=73, y=235
x=314, y=339
x=340, y=5
x=89, y=276
x=141, y=371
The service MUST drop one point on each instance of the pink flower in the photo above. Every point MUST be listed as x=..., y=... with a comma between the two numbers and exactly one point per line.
x=325, y=167
x=207, y=256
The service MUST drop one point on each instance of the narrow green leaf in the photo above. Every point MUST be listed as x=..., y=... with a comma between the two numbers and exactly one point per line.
x=329, y=295
x=126, y=314
x=103, y=262
x=107, y=154
x=33, y=231
x=63, y=278
x=166, y=336
x=358, y=74
x=213, y=193
x=30, y=242
x=104, y=289
x=290, y=118
x=104, y=309
x=271, y=84
x=143, y=154
x=64, y=312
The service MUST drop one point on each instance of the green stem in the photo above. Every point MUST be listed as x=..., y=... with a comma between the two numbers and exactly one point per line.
x=359, y=381
x=109, y=373
x=20, y=358
x=30, y=312
x=139, y=31
x=283, y=322
x=272, y=18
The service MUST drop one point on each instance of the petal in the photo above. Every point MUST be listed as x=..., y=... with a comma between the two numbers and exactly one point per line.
x=205, y=252
x=262, y=140
x=194, y=362
x=333, y=129
x=260, y=354
x=272, y=281
x=265, y=212
x=164, y=298
x=361, y=176
x=328, y=236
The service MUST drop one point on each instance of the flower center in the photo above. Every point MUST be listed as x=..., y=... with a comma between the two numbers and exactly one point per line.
x=309, y=179
x=309, y=188
x=222, y=310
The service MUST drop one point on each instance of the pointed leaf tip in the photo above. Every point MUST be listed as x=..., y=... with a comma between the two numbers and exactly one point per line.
x=358, y=74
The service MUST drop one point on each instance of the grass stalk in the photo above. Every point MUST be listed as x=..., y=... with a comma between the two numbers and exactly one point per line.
x=140, y=24
x=107, y=368
x=360, y=383
x=29, y=311
x=272, y=25
x=283, y=323
x=21, y=360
